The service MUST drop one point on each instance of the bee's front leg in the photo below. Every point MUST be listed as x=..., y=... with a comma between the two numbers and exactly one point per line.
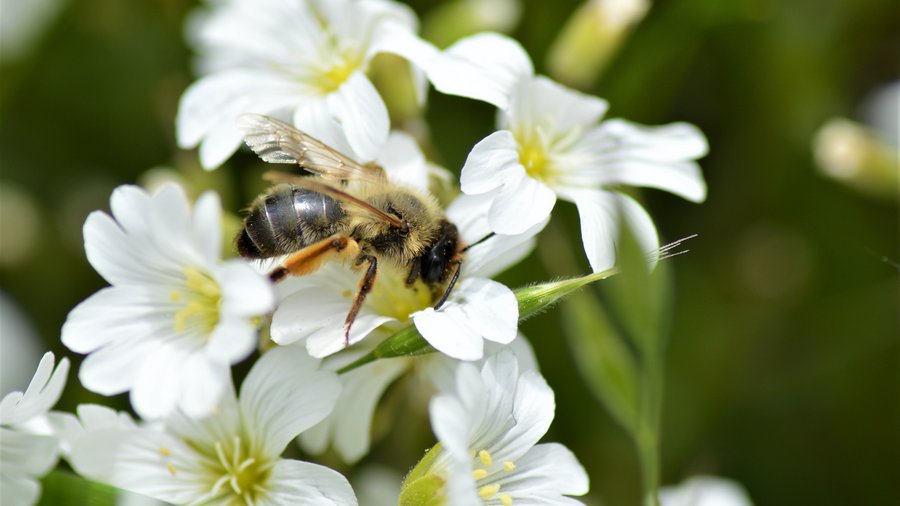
x=365, y=286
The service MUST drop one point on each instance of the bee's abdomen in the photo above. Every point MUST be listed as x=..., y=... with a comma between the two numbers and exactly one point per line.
x=287, y=219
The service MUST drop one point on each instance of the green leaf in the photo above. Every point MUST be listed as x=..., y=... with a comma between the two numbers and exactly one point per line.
x=532, y=300
x=604, y=362
x=639, y=297
x=60, y=487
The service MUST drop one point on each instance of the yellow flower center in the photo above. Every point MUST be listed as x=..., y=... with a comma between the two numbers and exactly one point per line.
x=201, y=299
x=535, y=156
x=344, y=63
x=391, y=296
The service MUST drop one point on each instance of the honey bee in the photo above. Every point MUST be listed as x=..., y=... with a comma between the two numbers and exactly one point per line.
x=349, y=212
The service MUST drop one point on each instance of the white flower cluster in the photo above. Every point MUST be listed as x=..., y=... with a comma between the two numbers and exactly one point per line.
x=177, y=316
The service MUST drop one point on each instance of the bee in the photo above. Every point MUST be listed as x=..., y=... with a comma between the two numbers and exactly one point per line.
x=346, y=211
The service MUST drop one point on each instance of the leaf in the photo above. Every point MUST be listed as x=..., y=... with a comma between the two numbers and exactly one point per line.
x=640, y=295
x=60, y=487
x=604, y=362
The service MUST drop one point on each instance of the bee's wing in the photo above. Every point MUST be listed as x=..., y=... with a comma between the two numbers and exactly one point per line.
x=318, y=186
x=277, y=142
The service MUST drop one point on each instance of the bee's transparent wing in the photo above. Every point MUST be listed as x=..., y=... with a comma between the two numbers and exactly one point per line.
x=319, y=186
x=277, y=142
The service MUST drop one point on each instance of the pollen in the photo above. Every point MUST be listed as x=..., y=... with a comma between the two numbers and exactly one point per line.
x=505, y=500
x=479, y=474
x=165, y=452
x=485, y=457
x=201, y=299
x=508, y=466
x=488, y=491
x=171, y=469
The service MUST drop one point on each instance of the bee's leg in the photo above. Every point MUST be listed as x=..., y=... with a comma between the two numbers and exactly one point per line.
x=365, y=286
x=310, y=258
x=450, y=286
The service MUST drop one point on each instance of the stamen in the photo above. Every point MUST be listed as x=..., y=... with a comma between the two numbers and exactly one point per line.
x=505, y=500
x=488, y=491
x=165, y=452
x=171, y=468
x=485, y=457
x=508, y=466
x=479, y=474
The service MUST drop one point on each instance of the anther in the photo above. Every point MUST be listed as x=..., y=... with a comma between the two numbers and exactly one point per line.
x=485, y=457
x=479, y=474
x=505, y=500
x=508, y=466
x=488, y=491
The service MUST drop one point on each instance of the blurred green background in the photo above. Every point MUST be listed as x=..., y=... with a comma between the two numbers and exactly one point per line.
x=783, y=357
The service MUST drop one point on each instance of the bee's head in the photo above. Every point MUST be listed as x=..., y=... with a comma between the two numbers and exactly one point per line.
x=421, y=220
x=434, y=262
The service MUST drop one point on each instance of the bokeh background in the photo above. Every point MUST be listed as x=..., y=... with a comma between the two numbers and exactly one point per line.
x=782, y=364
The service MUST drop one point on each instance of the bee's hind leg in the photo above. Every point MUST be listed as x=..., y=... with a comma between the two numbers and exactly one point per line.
x=310, y=258
x=365, y=286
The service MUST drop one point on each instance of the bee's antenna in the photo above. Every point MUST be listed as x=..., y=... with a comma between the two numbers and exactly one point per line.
x=479, y=241
x=451, y=285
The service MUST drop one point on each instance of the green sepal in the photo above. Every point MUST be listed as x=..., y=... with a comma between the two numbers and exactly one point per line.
x=421, y=488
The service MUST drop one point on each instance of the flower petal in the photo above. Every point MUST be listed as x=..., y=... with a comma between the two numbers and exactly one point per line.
x=245, y=292
x=542, y=102
x=599, y=211
x=484, y=67
x=620, y=152
x=362, y=114
x=477, y=309
x=544, y=474
x=305, y=484
x=350, y=424
x=493, y=162
x=206, y=227
x=521, y=205
x=285, y=394
x=403, y=161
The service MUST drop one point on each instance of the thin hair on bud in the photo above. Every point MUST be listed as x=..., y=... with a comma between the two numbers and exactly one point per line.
x=666, y=252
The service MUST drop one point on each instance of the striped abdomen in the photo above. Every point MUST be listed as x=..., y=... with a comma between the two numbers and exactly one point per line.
x=287, y=219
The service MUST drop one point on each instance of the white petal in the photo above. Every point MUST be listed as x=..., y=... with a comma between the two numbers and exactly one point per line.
x=203, y=383
x=403, y=161
x=174, y=376
x=29, y=454
x=113, y=254
x=599, y=211
x=303, y=484
x=477, y=309
x=484, y=67
x=350, y=424
x=207, y=227
x=544, y=474
x=521, y=205
x=331, y=339
x=557, y=109
x=363, y=115
x=284, y=395
x=661, y=157
x=42, y=393
x=316, y=119
x=17, y=489
x=209, y=108
x=112, y=369
x=493, y=162
x=447, y=332
x=532, y=410
x=392, y=38
x=245, y=292
x=232, y=340
x=705, y=491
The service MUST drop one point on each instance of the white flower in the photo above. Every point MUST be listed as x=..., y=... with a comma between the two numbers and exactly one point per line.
x=477, y=309
x=300, y=59
x=705, y=491
x=24, y=455
x=176, y=317
x=348, y=428
x=550, y=145
x=234, y=455
x=487, y=429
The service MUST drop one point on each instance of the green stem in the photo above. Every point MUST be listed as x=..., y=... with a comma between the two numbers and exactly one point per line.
x=647, y=437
